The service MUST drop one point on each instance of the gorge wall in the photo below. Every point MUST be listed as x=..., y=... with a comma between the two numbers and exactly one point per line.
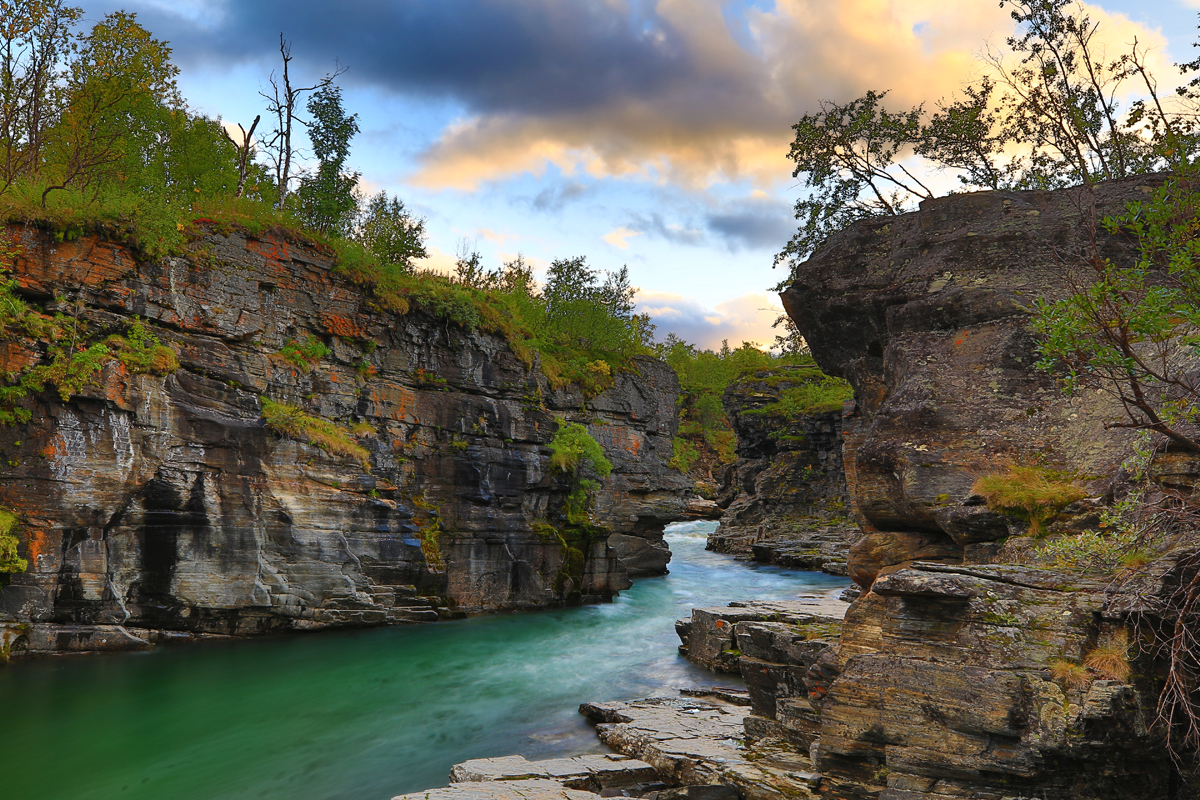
x=784, y=499
x=157, y=507
x=940, y=686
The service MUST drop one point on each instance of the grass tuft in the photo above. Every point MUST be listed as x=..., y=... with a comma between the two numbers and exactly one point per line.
x=1069, y=674
x=1110, y=658
x=1033, y=493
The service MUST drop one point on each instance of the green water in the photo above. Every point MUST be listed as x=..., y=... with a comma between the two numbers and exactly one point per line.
x=360, y=715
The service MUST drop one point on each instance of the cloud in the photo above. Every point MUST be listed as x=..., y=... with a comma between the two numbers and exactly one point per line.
x=675, y=233
x=743, y=319
x=661, y=90
x=438, y=261
x=556, y=198
x=753, y=223
x=495, y=238
x=619, y=238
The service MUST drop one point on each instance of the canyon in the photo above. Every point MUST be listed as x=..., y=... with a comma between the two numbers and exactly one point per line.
x=159, y=507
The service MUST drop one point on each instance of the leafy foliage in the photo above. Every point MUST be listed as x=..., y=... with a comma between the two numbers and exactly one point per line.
x=806, y=392
x=1128, y=330
x=141, y=351
x=573, y=447
x=9, y=560
x=1046, y=116
x=387, y=230
x=706, y=439
x=305, y=355
x=326, y=199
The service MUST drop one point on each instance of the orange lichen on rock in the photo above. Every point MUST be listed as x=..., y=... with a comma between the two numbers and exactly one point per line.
x=270, y=248
x=343, y=327
x=37, y=543
x=16, y=357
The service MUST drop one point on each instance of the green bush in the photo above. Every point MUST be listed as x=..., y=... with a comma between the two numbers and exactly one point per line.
x=141, y=351
x=9, y=561
x=304, y=356
x=293, y=423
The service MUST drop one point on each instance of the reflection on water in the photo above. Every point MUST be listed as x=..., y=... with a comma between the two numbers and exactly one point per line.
x=360, y=715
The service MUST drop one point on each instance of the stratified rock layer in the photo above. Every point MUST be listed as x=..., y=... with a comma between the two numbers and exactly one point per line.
x=164, y=503
x=942, y=685
x=785, y=497
x=927, y=314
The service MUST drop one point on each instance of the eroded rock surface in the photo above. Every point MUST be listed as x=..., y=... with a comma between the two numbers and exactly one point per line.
x=785, y=497
x=710, y=636
x=927, y=316
x=165, y=504
x=697, y=743
x=940, y=685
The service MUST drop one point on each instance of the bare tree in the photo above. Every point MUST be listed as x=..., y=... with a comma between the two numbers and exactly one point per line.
x=281, y=102
x=35, y=37
x=243, y=150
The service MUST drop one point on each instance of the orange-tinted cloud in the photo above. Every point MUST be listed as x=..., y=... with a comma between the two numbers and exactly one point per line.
x=729, y=116
x=743, y=319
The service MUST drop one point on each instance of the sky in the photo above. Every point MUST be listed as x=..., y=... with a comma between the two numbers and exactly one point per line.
x=646, y=133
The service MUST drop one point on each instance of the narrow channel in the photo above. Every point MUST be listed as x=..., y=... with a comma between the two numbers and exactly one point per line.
x=364, y=714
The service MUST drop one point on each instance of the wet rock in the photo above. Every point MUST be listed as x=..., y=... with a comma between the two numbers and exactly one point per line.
x=532, y=789
x=593, y=773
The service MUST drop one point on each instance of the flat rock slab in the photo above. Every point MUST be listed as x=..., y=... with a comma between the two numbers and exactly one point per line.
x=699, y=742
x=532, y=789
x=588, y=772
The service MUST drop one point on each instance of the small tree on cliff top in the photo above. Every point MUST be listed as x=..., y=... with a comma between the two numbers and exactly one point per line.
x=1050, y=120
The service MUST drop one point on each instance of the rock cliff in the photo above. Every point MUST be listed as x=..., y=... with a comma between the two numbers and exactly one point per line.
x=160, y=506
x=784, y=498
x=940, y=685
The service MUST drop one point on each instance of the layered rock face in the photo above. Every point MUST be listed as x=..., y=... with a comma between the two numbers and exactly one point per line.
x=941, y=686
x=785, y=497
x=164, y=505
x=926, y=315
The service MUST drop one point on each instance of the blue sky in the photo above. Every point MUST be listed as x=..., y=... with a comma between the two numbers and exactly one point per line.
x=650, y=133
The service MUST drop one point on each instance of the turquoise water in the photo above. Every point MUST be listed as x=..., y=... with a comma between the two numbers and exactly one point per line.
x=359, y=715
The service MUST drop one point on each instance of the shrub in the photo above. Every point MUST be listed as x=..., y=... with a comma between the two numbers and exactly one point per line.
x=573, y=446
x=1090, y=550
x=683, y=454
x=293, y=423
x=141, y=351
x=304, y=356
x=1033, y=493
x=9, y=560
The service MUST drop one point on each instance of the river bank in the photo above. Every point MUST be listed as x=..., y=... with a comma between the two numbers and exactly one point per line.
x=366, y=714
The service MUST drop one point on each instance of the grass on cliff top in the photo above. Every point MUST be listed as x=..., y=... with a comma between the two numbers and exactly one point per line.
x=159, y=226
x=153, y=225
x=293, y=423
x=803, y=392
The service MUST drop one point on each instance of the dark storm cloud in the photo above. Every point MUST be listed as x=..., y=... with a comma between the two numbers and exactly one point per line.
x=757, y=225
x=529, y=57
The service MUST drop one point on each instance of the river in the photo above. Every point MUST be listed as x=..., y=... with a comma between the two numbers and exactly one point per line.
x=363, y=714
